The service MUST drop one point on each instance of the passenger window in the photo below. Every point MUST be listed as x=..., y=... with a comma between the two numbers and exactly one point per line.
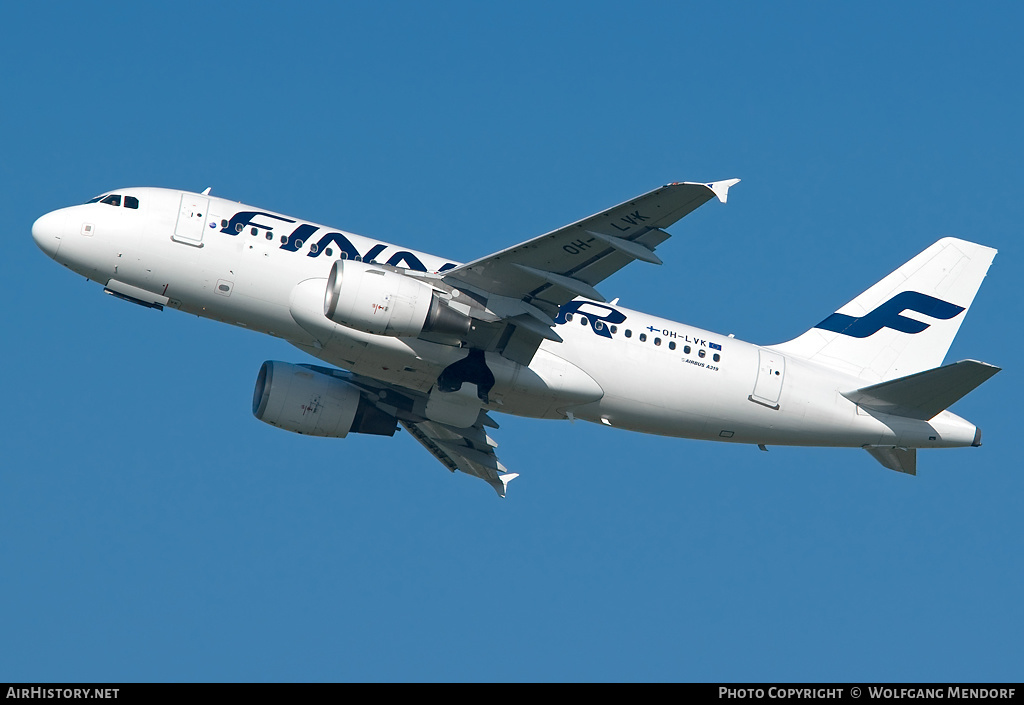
x=701, y=353
x=223, y=223
x=131, y=202
x=254, y=231
x=686, y=349
x=657, y=341
x=643, y=337
x=239, y=227
x=568, y=318
x=716, y=357
x=629, y=333
x=583, y=320
x=270, y=236
x=112, y=200
x=598, y=325
x=614, y=329
x=312, y=248
x=671, y=345
x=328, y=252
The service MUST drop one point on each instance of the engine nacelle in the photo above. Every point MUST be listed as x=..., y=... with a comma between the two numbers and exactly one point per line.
x=302, y=400
x=384, y=302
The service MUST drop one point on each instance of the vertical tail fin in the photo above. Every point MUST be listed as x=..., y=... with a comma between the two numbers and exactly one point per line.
x=904, y=323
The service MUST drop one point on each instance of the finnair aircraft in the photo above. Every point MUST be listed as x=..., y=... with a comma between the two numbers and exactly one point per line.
x=437, y=347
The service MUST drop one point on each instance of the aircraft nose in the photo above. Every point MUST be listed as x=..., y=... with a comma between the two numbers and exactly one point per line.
x=47, y=232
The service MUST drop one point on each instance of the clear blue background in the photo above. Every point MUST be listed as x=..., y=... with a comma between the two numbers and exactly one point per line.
x=152, y=529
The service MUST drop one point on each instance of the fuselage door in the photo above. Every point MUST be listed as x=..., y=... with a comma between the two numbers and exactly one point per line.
x=191, y=219
x=770, y=375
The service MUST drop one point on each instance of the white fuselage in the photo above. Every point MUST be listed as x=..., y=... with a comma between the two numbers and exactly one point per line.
x=615, y=366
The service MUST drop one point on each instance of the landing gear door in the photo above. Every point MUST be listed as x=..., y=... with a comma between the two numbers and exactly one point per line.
x=191, y=219
x=770, y=375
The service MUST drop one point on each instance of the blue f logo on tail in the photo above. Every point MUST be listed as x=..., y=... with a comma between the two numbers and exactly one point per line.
x=888, y=316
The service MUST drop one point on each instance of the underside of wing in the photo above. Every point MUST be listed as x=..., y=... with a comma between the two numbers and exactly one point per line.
x=469, y=450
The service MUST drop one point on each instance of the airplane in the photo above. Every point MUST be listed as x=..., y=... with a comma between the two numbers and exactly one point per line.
x=437, y=347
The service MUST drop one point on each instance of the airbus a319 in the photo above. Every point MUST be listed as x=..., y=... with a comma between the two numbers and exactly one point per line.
x=439, y=347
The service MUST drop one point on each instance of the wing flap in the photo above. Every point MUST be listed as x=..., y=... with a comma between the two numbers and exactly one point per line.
x=632, y=248
x=574, y=286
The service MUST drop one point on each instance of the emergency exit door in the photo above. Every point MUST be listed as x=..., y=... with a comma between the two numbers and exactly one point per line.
x=771, y=373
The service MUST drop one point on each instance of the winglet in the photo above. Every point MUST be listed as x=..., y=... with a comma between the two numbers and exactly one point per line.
x=505, y=478
x=721, y=188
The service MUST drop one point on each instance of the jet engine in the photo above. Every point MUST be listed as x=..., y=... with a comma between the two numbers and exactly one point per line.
x=384, y=302
x=303, y=400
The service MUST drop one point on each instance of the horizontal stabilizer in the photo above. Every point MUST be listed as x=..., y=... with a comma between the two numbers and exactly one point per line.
x=899, y=459
x=925, y=394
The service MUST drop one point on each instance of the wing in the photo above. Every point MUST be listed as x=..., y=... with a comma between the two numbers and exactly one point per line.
x=522, y=287
x=469, y=450
x=555, y=268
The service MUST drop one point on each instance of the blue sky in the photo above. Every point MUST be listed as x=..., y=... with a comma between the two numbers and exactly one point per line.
x=152, y=529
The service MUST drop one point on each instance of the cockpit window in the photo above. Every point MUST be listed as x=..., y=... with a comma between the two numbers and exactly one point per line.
x=114, y=199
